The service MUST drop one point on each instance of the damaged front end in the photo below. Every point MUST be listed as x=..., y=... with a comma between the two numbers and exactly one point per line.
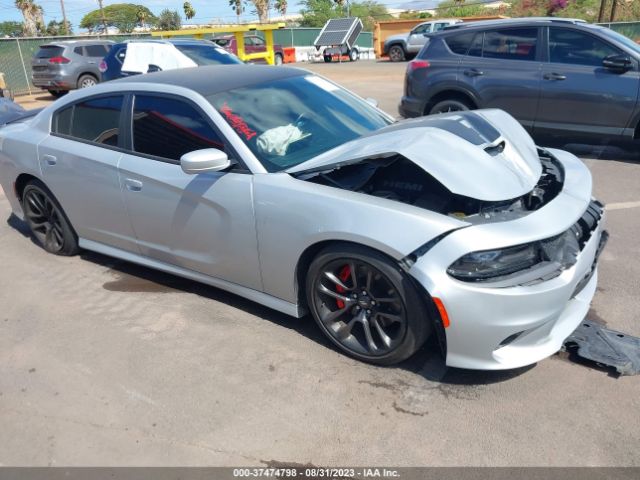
x=397, y=178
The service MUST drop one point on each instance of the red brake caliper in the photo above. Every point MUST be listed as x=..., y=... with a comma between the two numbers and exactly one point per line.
x=345, y=273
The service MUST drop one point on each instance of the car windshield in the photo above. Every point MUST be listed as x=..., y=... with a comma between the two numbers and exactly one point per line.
x=289, y=121
x=622, y=39
x=208, y=54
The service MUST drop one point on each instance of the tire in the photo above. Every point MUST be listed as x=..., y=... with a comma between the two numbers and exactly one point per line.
x=278, y=59
x=327, y=58
x=87, y=80
x=356, y=317
x=58, y=93
x=354, y=55
x=450, y=105
x=397, y=54
x=48, y=223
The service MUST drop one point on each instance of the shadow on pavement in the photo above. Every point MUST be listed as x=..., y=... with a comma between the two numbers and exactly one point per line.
x=428, y=362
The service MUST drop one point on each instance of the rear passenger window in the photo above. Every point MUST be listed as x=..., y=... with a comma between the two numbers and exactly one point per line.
x=169, y=128
x=511, y=44
x=577, y=48
x=78, y=51
x=62, y=121
x=460, y=43
x=95, y=50
x=96, y=120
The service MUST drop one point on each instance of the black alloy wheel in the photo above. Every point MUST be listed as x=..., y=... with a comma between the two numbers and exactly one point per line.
x=47, y=221
x=366, y=306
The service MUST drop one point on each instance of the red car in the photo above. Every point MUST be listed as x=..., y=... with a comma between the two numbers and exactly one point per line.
x=252, y=44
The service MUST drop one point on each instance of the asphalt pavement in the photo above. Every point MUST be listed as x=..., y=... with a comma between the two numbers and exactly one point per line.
x=106, y=363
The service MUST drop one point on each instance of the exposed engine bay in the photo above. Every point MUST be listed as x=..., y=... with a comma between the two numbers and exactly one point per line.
x=398, y=178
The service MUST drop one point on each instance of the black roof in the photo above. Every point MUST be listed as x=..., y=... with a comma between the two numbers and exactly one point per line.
x=211, y=79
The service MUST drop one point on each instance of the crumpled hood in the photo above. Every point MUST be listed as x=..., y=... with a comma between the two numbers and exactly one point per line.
x=484, y=154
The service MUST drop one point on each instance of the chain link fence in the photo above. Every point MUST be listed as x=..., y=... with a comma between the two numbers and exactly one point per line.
x=16, y=53
x=629, y=29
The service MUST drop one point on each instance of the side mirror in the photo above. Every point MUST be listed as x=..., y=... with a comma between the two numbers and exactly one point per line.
x=371, y=101
x=153, y=68
x=619, y=63
x=205, y=160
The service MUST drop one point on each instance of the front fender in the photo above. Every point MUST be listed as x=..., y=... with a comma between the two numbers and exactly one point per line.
x=292, y=215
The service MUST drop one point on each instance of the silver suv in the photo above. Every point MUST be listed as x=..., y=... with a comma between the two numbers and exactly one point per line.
x=406, y=45
x=62, y=66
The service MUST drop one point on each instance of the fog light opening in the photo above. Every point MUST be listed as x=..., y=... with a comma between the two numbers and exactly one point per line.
x=509, y=339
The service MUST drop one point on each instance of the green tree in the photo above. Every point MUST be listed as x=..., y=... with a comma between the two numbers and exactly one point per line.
x=457, y=8
x=169, y=20
x=10, y=29
x=123, y=16
x=409, y=15
x=55, y=28
x=315, y=13
x=189, y=11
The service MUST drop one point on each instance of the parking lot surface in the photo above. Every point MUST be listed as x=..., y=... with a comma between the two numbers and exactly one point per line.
x=106, y=363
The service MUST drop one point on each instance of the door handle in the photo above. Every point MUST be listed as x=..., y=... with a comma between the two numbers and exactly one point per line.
x=50, y=159
x=473, y=72
x=554, y=76
x=133, y=185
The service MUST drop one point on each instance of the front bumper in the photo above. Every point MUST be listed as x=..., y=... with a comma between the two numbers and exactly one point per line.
x=508, y=327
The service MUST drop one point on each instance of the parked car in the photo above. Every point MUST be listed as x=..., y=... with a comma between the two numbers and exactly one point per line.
x=559, y=77
x=406, y=45
x=62, y=66
x=282, y=187
x=252, y=44
x=156, y=55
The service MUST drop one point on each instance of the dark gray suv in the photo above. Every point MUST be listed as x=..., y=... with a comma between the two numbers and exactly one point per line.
x=62, y=66
x=558, y=77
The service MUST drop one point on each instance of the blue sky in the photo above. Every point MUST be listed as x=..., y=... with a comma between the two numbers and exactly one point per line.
x=206, y=10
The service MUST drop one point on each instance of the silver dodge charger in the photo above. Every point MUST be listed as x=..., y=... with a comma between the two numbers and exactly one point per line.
x=280, y=186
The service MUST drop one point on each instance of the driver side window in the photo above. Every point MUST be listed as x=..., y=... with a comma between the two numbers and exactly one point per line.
x=577, y=48
x=421, y=29
x=168, y=128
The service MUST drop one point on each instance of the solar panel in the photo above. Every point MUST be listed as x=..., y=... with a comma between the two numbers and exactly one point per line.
x=339, y=31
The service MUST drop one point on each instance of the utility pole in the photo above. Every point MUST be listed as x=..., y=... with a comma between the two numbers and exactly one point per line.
x=64, y=18
x=603, y=4
x=104, y=20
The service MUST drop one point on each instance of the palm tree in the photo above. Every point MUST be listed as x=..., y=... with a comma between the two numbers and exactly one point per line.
x=32, y=14
x=281, y=7
x=141, y=16
x=189, y=11
x=238, y=7
x=262, y=9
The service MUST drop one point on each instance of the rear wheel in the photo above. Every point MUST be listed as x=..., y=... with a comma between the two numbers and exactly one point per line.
x=47, y=221
x=327, y=58
x=450, y=105
x=366, y=305
x=354, y=55
x=396, y=54
x=87, y=80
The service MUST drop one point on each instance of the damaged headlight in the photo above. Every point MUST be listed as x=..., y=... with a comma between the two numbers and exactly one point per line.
x=560, y=251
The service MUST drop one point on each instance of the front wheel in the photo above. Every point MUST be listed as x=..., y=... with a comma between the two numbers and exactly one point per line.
x=47, y=221
x=366, y=305
x=396, y=54
x=327, y=58
x=278, y=60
